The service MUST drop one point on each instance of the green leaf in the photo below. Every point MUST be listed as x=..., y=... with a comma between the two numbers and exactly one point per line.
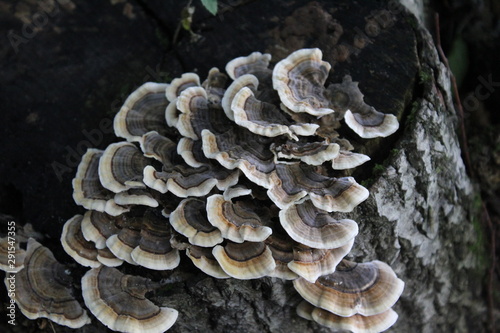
x=210, y=5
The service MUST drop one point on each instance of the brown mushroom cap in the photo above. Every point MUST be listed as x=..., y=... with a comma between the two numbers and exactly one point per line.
x=97, y=227
x=243, y=150
x=246, y=80
x=121, y=167
x=88, y=190
x=178, y=85
x=203, y=258
x=236, y=221
x=43, y=289
x=311, y=263
x=119, y=302
x=299, y=80
x=143, y=111
x=154, y=250
x=316, y=228
x=356, y=323
x=312, y=153
x=76, y=246
x=247, y=260
x=255, y=63
x=125, y=241
x=360, y=117
x=281, y=247
x=190, y=220
x=265, y=118
x=107, y=258
x=368, y=289
x=292, y=182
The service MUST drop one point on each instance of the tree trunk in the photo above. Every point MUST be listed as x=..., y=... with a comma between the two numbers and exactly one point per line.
x=422, y=214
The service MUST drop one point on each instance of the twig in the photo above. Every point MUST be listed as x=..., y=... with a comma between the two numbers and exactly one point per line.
x=485, y=214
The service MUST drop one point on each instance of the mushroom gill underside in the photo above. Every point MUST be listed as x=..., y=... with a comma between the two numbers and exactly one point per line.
x=240, y=176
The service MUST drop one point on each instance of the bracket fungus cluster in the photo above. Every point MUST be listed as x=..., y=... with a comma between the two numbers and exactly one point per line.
x=243, y=176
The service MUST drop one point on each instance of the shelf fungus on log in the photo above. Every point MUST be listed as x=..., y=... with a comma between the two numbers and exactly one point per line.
x=299, y=80
x=237, y=222
x=119, y=301
x=316, y=228
x=43, y=289
x=143, y=111
x=247, y=260
x=76, y=246
x=188, y=144
x=190, y=219
x=356, y=323
x=88, y=190
x=366, y=289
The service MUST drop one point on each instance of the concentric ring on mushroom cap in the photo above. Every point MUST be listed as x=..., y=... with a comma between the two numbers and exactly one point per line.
x=315, y=228
x=178, y=85
x=119, y=302
x=43, y=289
x=356, y=323
x=97, y=227
x=190, y=220
x=311, y=263
x=121, y=167
x=236, y=221
x=203, y=258
x=264, y=118
x=76, y=246
x=292, y=182
x=154, y=250
x=143, y=111
x=281, y=247
x=368, y=289
x=299, y=80
x=252, y=64
x=246, y=80
x=247, y=260
x=88, y=190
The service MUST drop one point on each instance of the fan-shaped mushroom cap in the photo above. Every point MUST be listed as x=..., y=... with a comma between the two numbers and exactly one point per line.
x=348, y=160
x=88, y=190
x=192, y=152
x=123, y=243
x=107, y=258
x=315, y=228
x=136, y=196
x=190, y=220
x=356, y=323
x=236, y=221
x=360, y=117
x=203, y=258
x=264, y=118
x=157, y=146
x=121, y=167
x=282, y=249
x=178, y=85
x=312, y=153
x=172, y=114
x=299, y=80
x=368, y=289
x=76, y=246
x=43, y=289
x=243, y=150
x=292, y=182
x=119, y=302
x=253, y=64
x=247, y=260
x=311, y=263
x=97, y=227
x=143, y=111
x=154, y=250
x=246, y=80
x=11, y=255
